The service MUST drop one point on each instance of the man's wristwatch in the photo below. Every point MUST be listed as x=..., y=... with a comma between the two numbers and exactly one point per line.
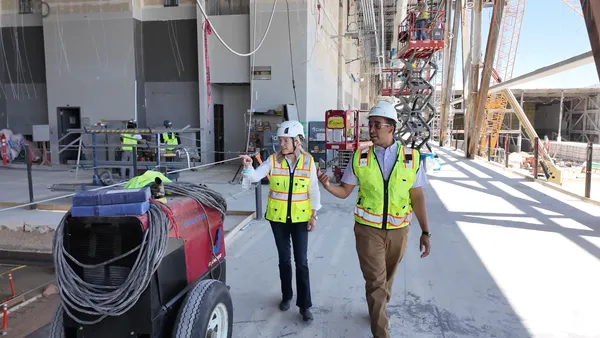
x=315, y=217
x=426, y=233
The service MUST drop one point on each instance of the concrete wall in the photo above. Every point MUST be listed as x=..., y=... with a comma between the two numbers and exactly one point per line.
x=90, y=64
x=236, y=100
x=226, y=67
x=22, y=69
x=269, y=94
x=546, y=120
x=121, y=60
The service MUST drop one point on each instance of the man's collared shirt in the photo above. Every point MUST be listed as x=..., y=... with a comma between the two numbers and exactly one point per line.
x=386, y=157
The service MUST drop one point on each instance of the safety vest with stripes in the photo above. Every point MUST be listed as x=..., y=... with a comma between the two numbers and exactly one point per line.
x=288, y=195
x=169, y=138
x=128, y=139
x=384, y=204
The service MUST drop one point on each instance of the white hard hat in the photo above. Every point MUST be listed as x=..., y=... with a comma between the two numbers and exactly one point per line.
x=290, y=129
x=384, y=109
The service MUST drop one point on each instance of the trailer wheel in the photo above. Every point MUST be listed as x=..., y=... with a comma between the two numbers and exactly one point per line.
x=207, y=312
x=57, y=329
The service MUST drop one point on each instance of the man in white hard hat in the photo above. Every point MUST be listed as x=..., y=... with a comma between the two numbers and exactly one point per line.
x=390, y=191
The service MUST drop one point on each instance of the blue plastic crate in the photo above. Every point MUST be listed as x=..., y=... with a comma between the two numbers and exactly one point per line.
x=109, y=197
x=129, y=209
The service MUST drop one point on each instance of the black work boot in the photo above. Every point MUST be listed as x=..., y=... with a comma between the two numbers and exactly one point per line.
x=284, y=305
x=307, y=315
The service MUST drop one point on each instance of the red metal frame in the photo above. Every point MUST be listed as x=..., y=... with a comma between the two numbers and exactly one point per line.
x=407, y=43
x=388, y=81
x=345, y=121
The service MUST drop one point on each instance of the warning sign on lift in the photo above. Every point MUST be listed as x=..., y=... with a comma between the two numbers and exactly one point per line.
x=335, y=122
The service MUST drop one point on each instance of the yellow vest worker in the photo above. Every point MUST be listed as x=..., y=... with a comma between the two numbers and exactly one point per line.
x=381, y=204
x=294, y=200
x=390, y=189
x=128, y=140
x=169, y=137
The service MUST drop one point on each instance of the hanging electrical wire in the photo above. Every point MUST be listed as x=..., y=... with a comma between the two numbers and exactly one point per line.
x=225, y=44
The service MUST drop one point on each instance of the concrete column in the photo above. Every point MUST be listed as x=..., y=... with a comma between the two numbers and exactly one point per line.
x=560, y=115
x=207, y=145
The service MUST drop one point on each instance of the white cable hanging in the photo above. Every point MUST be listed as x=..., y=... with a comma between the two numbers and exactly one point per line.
x=225, y=44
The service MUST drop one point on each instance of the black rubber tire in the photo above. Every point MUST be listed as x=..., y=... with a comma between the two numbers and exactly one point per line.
x=57, y=329
x=194, y=314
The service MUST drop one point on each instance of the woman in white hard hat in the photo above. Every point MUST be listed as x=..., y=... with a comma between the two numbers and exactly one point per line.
x=294, y=199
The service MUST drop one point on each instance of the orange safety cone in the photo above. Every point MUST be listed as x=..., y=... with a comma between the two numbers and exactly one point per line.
x=4, y=319
x=12, y=285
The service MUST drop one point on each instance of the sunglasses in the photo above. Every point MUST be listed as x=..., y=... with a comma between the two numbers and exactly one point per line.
x=379, y=125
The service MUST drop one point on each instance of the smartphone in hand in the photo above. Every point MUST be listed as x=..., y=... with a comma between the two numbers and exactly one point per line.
x=322, y=165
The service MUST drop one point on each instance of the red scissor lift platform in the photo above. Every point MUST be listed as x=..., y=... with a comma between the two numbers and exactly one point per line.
x=345, y=131
x=409, y=47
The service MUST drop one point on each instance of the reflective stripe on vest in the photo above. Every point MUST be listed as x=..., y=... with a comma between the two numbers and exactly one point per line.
x=371, y=195
x=128, y=139
x=170, y=138
x=281, y=185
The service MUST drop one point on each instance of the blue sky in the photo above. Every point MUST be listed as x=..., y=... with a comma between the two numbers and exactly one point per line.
x=551, y=32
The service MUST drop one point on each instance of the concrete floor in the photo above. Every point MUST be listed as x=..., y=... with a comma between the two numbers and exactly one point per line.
x=510, y=258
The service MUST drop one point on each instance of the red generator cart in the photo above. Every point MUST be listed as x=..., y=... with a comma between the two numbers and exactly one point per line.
x=345, y=132
x=159, y=273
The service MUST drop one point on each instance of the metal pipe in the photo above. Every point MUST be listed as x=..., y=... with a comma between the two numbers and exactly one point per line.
x=536, y=157
x=29, y=178
x=443, y=114
x=560, y=115
x=258, y=200
x=489, y=150
x=588, y=169
x=382, y=18
x=447, y=90
x=506, y=146
x=340, y=69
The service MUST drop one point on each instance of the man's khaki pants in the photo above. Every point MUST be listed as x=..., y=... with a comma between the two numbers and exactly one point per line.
x=379, y=253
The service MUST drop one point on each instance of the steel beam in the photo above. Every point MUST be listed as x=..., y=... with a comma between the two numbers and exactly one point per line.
x=449, y=73
x=474, y=72
x=490, y=53
x=559, y=67
x=591, y=14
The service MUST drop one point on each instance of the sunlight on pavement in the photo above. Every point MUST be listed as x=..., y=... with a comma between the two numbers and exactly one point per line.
x=534, y=270
x=512, y=191
x=463, y=199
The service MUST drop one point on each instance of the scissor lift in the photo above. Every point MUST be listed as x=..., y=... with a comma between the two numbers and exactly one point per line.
x=345, y=131
x=414, y=90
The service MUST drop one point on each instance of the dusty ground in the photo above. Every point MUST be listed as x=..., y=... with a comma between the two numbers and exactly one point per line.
x=28, y=319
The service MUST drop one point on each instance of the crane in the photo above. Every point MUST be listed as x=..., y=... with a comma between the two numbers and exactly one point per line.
x=575, y=5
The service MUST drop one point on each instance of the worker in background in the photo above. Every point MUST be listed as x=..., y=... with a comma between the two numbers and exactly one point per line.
x=390, y=190
x=422, y=15
x=128, y=140
x=294, y=199
x=170, y=139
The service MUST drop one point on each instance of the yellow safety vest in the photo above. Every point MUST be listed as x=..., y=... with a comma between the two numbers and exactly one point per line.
x=128, y=139
x=170, y=138
x=423, y=14
x=379, y=200
x=289, y=191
